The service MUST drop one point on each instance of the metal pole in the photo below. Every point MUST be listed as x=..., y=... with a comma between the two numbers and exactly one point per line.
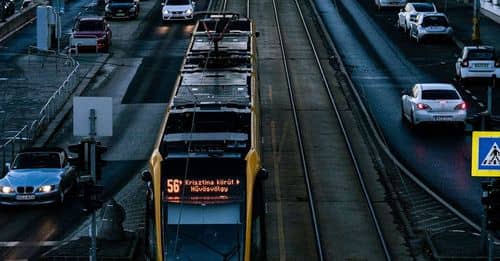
x=92, y=118
x=476, y=35
x=490, y=247
x=483, y=241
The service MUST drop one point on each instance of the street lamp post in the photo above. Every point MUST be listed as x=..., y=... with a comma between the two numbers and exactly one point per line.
x=476, y=35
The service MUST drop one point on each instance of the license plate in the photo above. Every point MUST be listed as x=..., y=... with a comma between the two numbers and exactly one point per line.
x=442, y=118
x=481, y=65
x=120, y=14
x=25, y=197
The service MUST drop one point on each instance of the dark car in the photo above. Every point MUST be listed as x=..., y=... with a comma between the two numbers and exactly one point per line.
x=91, y=33
x=38, y=176
x=122, y=9
x=7, y=8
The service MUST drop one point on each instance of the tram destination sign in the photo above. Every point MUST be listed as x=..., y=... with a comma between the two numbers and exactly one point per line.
x=204, y=190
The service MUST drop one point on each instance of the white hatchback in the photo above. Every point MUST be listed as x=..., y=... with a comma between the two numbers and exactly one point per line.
x=433, y=103
x=177, y=10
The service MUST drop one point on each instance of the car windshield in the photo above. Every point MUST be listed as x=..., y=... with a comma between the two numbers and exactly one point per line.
x=178, y=2
x=34, y=160
x=121, y=1
x=423, y=7
x=481, y=55
x=440, y=95
x=434, y=21
x=90, y=26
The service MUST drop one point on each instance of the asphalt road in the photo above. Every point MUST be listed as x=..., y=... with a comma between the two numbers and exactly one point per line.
x=382, y=61
x=139, y=105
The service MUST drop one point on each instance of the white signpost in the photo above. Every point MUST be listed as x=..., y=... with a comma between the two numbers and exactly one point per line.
x=93, y=116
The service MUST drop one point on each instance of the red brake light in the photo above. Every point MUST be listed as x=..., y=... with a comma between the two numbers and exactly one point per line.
x=422, y=106
x=465, y=63
x=461, y=106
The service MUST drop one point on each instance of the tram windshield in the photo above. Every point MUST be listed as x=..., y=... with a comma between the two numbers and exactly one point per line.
x=204, y=208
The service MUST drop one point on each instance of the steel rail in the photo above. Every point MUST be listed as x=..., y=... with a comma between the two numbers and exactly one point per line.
x=376, y=130
x=347, y=140
x=305, y=167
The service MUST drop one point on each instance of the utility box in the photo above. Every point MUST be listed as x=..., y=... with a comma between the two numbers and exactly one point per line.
x=45, y=27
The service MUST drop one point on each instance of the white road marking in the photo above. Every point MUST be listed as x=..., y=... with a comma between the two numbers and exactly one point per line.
x=29, y=243
x=474, y=97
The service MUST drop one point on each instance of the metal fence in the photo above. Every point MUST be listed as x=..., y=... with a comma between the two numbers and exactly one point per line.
x=28, y=133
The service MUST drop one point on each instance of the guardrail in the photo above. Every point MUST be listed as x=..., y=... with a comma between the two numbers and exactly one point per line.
x=28, y=133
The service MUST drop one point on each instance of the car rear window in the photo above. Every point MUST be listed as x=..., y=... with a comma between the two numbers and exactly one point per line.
x=36, y=160
x=90, y=26
x=423, y=7
x=434, y=21
x=481, y=55
x=440, y=95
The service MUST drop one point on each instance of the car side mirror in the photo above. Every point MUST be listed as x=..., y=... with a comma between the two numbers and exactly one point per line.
x=263, y=174
x=146, y=176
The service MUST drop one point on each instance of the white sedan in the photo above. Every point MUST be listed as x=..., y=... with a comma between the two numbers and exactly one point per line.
x=433, y=103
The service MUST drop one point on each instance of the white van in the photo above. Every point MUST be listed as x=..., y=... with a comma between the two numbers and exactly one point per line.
x=177, y=10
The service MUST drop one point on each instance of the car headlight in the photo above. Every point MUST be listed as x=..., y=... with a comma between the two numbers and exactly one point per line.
x=132, y=9
x=189, y=11
x=6, y=189
x=107, y=9
x=46, y=188
x=165, y=12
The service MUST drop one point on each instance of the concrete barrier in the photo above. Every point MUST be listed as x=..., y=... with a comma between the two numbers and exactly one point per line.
x=17, y=21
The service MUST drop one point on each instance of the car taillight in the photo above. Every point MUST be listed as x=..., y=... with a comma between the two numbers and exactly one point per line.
x=465, y=63
x=423, y=106
x=461, y=106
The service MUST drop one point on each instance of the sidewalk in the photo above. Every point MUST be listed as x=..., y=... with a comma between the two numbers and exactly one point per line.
x=491, y=8
x=460, y=16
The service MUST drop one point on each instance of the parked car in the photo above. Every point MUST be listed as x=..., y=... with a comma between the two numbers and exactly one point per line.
x=7, y=8
x=177, y=10
x=408, y=14
x=477, y=62
x=431, y=25
x=91, y=33
x=433, y=103
x=389, y=3
x=122, y=9
x=38, y=176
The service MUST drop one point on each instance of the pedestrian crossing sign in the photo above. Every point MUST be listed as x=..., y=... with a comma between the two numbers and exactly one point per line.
x=485, y=154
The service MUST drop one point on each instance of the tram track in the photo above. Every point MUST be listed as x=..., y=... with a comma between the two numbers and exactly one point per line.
x=293, y=88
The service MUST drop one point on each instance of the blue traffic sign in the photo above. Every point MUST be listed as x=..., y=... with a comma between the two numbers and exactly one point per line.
x=485, y=154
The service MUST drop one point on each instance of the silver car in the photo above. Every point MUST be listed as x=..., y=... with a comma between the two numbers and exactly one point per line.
x=38, y=176
x=433, y=103
x=431, y=25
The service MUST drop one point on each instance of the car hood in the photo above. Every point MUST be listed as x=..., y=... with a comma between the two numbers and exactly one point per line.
x=33, y=177
x=177, y=8
x=88, y=34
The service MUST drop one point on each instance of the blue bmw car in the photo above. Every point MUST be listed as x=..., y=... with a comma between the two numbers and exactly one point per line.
x=38, y=176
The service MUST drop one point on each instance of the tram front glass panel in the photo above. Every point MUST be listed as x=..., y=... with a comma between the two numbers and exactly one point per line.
x=204, y=208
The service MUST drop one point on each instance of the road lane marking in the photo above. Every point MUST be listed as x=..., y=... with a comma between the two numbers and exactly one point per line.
x=480, y=104
x=468, y=91
x=474, y=97
x=29, y=243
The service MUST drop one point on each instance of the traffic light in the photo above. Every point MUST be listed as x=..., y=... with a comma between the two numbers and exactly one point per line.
x=491, y=201
x=92, y=196
x=79, y=161
x=99, y=162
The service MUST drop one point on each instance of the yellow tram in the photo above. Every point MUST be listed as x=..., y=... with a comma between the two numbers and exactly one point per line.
x=204, y=199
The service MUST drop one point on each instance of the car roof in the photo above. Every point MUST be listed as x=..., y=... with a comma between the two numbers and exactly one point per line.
x=43, y=149
x=91, y=18
x=437, y=86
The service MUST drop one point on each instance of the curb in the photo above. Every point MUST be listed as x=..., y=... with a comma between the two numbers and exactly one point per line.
x=68, y=106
